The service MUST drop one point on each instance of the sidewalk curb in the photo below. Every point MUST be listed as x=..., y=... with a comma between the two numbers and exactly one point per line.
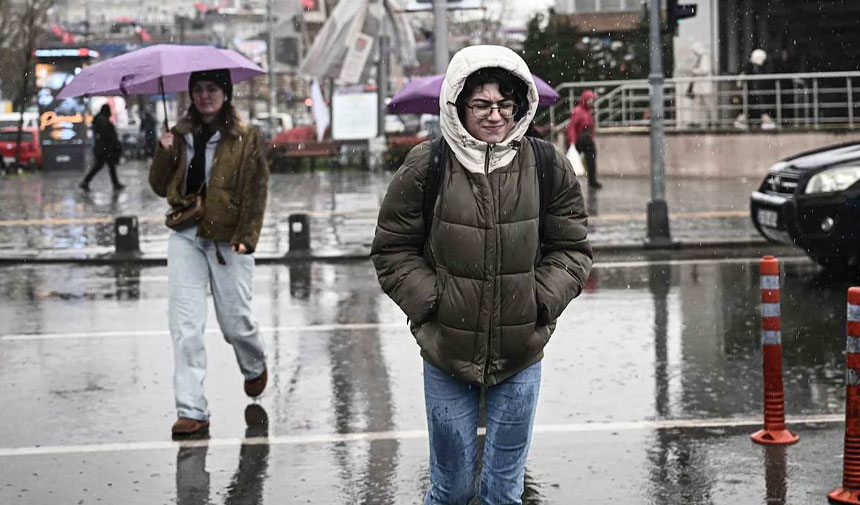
x=346, y=257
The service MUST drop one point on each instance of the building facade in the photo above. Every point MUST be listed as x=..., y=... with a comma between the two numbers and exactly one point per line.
x=144, y=11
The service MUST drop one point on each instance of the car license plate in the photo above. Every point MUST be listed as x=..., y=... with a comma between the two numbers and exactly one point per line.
x=767, y=218
x=8, y=159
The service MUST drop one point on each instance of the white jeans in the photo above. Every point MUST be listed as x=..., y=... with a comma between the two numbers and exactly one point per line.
x=192, y=266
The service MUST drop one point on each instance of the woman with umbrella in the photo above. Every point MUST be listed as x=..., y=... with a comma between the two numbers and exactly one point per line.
x=212, y=169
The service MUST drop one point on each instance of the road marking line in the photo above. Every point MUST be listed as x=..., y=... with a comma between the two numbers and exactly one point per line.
x=210, y=331
x=707, y=214
x=335, y=438
x=49, y=221
x=693, y=261
x=597, y=264
x=668, y=424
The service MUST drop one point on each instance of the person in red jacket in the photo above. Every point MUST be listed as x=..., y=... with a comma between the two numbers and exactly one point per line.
x=580, y=133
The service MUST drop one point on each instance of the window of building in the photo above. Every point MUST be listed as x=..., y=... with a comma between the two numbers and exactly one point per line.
x=587, y=6
x=612, y=5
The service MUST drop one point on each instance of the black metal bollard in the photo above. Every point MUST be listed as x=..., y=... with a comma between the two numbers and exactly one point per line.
x=126, y=237
x=300, y=234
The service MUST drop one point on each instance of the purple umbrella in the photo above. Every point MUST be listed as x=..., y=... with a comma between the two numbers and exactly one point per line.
x=421, y=95
x=162, y=68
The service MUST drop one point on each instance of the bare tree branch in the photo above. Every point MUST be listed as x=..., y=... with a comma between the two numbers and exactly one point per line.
x=7, y=24
x=31, y=22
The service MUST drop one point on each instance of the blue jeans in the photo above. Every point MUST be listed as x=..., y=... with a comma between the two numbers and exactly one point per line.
x=452, y=419
x=192, y=270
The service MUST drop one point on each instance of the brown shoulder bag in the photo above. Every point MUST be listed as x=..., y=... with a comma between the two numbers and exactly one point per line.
x=191, y=214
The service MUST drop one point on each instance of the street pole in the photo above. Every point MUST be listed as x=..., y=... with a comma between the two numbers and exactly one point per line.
x=270, y=58
x=382, y=81
x=440, y=35
x=658, y=211
x=377, y=145
x=86, y=22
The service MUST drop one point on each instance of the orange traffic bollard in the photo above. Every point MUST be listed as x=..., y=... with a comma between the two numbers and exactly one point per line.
x=774, y=431
x=850, y=490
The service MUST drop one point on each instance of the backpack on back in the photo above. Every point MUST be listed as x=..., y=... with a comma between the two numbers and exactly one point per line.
x=439, y=152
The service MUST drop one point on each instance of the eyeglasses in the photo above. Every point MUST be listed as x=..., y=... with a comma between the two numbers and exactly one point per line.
x=483, y=110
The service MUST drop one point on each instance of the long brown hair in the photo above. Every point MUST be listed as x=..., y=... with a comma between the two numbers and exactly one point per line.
x=227, y=120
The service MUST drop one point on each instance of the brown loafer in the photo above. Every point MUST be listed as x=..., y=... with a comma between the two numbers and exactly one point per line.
x=185, y=426
x=255, y=387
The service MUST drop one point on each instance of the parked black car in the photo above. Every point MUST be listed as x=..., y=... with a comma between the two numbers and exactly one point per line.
x=812, y=200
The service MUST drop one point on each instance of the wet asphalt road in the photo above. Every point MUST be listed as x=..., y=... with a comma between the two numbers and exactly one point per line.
x=45, y=213
x=651, y=387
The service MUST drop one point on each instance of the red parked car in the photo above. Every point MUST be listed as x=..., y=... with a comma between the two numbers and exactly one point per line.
x=31, y=149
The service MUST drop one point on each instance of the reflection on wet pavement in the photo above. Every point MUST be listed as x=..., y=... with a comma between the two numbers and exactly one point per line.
x=48, y=212
x=652, y=384
x=192, y=479
x=775, y=474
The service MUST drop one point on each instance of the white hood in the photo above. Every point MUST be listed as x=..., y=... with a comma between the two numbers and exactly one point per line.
x=471, y=152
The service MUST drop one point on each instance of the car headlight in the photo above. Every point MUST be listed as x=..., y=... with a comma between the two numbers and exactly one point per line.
x=835, y=179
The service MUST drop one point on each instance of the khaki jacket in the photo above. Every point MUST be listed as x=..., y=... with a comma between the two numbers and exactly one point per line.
x=237, y=189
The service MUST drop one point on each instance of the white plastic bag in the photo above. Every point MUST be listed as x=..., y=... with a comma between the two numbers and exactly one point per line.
x=575, y=160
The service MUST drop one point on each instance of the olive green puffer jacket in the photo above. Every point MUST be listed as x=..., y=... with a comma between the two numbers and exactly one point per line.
x=482, y=294
x=475, y=293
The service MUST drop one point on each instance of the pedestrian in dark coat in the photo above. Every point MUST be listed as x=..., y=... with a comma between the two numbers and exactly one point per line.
x=482, y=288
x=760, y=94
x=107, y=149
x=148, y=127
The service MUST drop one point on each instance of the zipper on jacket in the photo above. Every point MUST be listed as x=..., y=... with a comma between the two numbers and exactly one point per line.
x=493, y=275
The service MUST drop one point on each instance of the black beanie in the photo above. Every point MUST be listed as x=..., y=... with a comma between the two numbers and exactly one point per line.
x=221, y=78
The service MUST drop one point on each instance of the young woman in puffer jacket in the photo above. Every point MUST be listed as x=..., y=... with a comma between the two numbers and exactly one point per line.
x=482, y=290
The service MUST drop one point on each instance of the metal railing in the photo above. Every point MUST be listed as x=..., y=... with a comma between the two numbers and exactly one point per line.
x=721, y=103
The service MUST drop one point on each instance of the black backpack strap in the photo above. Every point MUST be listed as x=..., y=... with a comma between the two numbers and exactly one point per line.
x=544, y=159
x=438, y=162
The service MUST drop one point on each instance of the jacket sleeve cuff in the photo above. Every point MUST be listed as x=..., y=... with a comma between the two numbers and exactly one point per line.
x=249, y=241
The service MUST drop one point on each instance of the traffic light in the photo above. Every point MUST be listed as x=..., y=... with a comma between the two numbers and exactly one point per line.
x=675, y=12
